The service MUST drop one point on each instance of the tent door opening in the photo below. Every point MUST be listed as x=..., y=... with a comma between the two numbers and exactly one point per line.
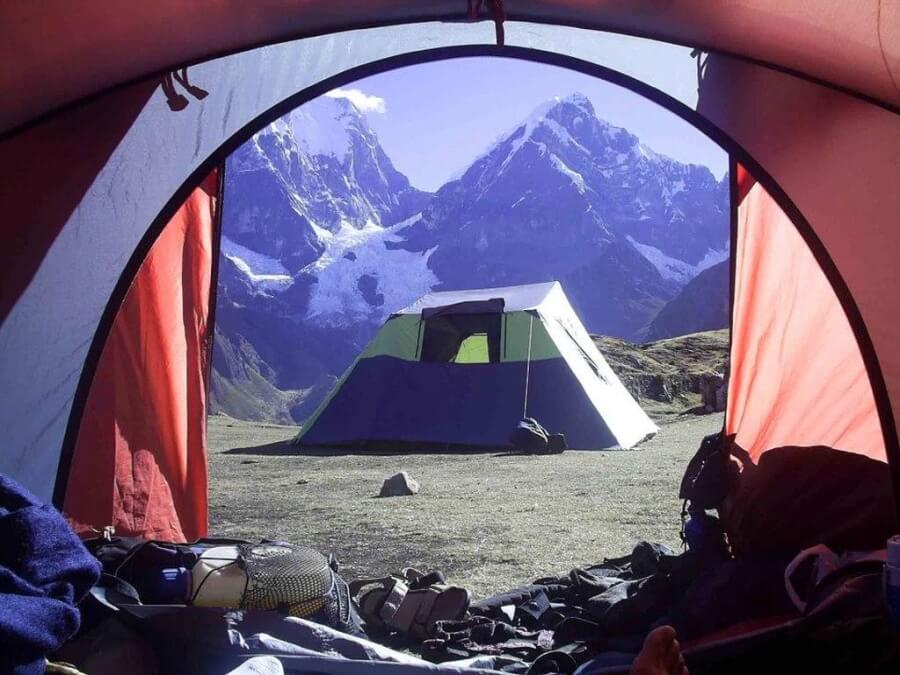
x=461, y=338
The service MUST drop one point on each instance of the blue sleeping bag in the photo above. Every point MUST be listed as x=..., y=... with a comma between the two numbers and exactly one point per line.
x=44, y=572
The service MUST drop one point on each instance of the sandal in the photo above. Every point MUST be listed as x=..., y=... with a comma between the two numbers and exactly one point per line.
x=410, y=603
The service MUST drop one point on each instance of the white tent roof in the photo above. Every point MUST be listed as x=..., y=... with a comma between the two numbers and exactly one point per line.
x=515, y=298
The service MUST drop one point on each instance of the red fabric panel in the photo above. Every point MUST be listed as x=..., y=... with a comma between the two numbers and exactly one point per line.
x=797, y=375
x=837, y=159
x=72, y=148
x=140, y=459
x=745, y=181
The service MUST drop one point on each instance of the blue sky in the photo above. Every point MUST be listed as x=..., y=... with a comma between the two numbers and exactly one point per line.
x=434, y=119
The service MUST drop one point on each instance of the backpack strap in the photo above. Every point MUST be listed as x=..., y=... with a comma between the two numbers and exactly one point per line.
x=112, y=592
x=710, y=475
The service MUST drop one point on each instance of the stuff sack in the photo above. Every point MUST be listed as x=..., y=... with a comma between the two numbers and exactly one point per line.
x=531, y=437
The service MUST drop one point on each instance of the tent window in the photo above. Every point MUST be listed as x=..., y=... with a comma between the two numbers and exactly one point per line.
x=462, y=338
x=474, y=349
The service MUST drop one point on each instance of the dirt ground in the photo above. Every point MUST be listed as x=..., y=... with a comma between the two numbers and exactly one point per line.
x=488, y=521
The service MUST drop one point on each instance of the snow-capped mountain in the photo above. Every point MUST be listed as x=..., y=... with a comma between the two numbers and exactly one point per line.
x=548, y=198
x=324, y=238
x=310, y=203
x=314, y=173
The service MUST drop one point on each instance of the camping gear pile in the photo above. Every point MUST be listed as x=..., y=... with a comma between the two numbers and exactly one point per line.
x=592, y=618
x=211, y=605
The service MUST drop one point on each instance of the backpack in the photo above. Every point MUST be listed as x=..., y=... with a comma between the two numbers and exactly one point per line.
x=226, y=573
x=710, y=475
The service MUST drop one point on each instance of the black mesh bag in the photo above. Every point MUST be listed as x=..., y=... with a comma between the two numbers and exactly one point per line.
x=297, y=581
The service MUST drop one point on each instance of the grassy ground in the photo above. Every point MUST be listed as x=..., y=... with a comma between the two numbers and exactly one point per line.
x=664, y=376
x=489, y=521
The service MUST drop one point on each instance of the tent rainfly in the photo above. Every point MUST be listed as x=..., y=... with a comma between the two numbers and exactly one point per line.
x=460, y=368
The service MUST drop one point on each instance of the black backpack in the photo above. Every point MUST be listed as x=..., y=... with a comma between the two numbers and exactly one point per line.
x=710, y=475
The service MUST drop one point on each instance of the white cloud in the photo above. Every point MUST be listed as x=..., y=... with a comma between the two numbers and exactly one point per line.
x=361, y=100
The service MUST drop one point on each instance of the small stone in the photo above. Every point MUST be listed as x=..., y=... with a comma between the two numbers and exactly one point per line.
x=302, y=481
x=399, y=485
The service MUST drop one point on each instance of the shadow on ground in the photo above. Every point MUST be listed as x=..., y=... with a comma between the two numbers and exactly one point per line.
x=288, y=449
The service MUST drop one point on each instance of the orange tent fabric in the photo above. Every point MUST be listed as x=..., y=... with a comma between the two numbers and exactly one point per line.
x=835, y=157
x=140, y=459
x=797, y=374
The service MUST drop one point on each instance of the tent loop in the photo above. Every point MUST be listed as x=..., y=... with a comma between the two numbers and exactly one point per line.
x=528, y=365
x=174, y=98
x=701, y=57
x=498, y=14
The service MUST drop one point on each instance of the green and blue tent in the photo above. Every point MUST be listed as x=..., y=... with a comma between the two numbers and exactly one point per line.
x=461, y=368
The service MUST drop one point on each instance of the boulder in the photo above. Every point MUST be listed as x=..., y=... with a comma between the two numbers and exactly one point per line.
x=399, y=485
x=714, y=392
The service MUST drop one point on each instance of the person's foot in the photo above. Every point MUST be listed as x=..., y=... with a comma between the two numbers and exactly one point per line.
x=660, y=655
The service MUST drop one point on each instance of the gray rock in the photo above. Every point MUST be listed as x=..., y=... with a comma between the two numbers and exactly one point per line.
x=398, y=485
x=714, y=392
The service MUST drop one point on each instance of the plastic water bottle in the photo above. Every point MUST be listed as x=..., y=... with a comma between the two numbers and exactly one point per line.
x=174, y=585
x=703, y=534
x=892, y=580
x=695, y=531
x=218, y=578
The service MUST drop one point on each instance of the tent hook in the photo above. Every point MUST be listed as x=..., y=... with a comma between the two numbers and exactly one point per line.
x=701, y=57
x=498, y=14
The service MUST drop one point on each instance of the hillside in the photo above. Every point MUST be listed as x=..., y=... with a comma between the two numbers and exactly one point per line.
x=701, y=305
x=665, y=375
